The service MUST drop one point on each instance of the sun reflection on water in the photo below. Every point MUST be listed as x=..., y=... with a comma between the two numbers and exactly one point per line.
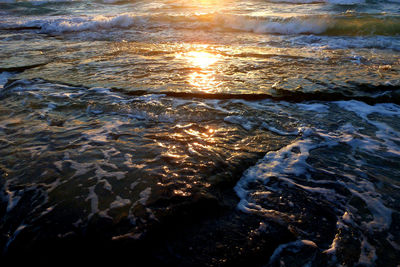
x=203, y=79
x=202, y=59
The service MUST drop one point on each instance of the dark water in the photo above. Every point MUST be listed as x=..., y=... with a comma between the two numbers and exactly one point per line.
x=200, y=133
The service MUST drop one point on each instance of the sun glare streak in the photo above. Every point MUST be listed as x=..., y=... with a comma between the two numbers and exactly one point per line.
x=201, y=59
x=210, y=5
x=205, y=78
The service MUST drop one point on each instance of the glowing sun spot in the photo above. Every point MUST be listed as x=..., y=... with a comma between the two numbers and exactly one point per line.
x=200, y=58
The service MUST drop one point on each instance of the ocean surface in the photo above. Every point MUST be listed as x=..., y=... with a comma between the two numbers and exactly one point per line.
x=200, y=133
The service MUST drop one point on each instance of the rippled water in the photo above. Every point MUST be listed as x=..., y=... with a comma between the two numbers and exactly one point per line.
x=200, y=133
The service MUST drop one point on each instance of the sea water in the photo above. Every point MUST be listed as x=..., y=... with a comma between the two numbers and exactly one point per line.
x=201, y=133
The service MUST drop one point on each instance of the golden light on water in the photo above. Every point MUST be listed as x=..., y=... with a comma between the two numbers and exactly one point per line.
x=205, y=78
x=204, y=81
x=207, y=6
x=201, y=59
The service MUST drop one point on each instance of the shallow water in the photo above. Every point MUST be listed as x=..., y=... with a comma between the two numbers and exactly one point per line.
x=201, y=133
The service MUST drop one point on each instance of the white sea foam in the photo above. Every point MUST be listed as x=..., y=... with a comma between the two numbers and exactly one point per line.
x=144, y=195
x=293, y=25
x=316, y=107
x=290, y=166
x=368, y=253
x=101, y=134
x=94, y=201
x=78, y=24
x=294, y=246
x=390, y=137
x=275, y=164
x=119, y=202
x=242, y=121
x=363, y=110
x=100, y=173
x=4, y=76
x=281, y=132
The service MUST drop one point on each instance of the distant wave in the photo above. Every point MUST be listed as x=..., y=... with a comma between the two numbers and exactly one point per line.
x=349, y=25
x=345, y=25
x=79, y=24
x=295, y=25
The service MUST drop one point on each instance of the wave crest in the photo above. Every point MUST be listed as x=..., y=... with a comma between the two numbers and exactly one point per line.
x=346, y=25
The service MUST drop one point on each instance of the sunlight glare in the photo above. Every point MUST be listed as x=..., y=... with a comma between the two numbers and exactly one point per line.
x=202, y=59
x=203, y=79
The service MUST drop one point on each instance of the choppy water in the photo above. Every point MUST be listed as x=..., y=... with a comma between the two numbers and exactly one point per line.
x=201, y=133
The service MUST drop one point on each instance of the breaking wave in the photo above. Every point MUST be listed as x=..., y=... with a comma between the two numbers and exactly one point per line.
x=347, y=25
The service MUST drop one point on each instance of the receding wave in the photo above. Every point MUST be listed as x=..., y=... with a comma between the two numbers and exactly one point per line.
x=291, y=96
x=376, y=94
